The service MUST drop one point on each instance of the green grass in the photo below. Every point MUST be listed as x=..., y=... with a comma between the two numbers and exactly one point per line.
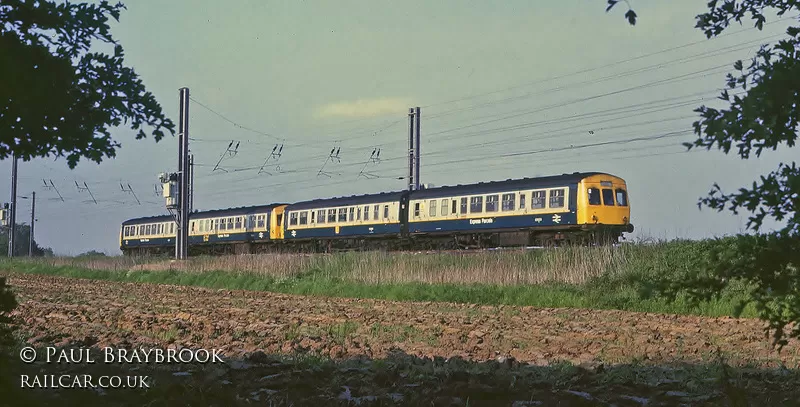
x=623, y=283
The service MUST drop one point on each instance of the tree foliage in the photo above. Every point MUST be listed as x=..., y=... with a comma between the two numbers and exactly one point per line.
x=59, y=97
x=21, y=242
x=7, y=304
x=765, y=117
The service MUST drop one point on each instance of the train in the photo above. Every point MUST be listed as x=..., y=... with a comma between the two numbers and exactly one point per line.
x=578, y=208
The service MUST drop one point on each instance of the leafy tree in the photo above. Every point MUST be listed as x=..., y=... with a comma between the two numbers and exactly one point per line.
x=764, y=118
x=92, y=253
x=7, y=304
x=58, y=98
x=23, y=234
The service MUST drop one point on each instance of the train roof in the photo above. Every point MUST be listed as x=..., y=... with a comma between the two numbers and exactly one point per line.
x=500, y=186
x=347, y=200
x=242, y=210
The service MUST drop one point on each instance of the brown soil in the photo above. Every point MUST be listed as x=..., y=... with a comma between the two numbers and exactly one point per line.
x=68, y=312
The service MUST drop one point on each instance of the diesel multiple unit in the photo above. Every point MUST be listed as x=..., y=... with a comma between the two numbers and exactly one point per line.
x=578, y=207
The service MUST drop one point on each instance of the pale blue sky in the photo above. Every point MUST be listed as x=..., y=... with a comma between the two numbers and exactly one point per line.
x=313, y=73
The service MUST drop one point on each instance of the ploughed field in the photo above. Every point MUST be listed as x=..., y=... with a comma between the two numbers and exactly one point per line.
x=397, y=353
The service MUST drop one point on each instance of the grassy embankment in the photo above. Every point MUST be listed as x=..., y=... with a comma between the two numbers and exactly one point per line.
x=605, y=277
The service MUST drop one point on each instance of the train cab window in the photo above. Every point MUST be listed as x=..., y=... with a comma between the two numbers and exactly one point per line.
x=538, y=199
x=238, y=222
x=491, y=203
x=342, y=214
x=376, y=212
x=608, y=197
x=352, y=213
x=557, y=198
x=508, y=202
x=444, y=207
x=521, y=201
x=432, y=209
x=416, y=210
x=366, y=213
x=304, y=218
x=293, y=218
x=279, y=220
x=594, y=196
x=476, y=204
x=386, y=211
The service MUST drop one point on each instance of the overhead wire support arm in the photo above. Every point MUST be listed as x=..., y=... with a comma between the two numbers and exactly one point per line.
x=231, y=152
x=86, y=188
x=334, y=155
x=374, y=158
x=276, y=152
x=130, y=190
x=53, y=186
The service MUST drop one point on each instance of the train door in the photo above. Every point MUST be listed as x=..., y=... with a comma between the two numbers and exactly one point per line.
x=276, y=223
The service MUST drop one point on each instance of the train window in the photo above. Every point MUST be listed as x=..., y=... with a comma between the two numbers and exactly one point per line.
x=358, y=213
x=192, y=228
x=463, y=206
x=444, y=207
x=352, y=213
x=454, y=207
x=521, y=201
x=476, y=204
x=386, y=211
x=342, y=214
x=594, y=196
x=171, y=228
x=313, y=217
x=230, y=223
x=538, y=199
x=608, y=197
x=147, y=230
x=238, y=222
x=375, y=212
x=491, y=203
x=416, y=210
x=304, y=218
x=293, y=218
x=366, y=213
x=432, y=210
x=557, y=198
x=331, y=215
x=321, y=216
x=508, y=202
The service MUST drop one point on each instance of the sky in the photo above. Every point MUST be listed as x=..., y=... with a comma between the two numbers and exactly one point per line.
x=548, y=79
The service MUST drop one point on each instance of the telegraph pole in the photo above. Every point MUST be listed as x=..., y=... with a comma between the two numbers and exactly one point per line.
x=182, y=240
x=33, y=222
x=416, y=149
x=12, y=219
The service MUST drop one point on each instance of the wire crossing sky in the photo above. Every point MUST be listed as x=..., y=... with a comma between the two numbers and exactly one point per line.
x=304, y=100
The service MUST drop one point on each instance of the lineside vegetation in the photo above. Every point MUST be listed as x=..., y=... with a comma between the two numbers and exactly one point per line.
x=624, y=277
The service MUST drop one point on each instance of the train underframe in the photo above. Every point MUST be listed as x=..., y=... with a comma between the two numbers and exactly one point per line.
x=581, y=235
